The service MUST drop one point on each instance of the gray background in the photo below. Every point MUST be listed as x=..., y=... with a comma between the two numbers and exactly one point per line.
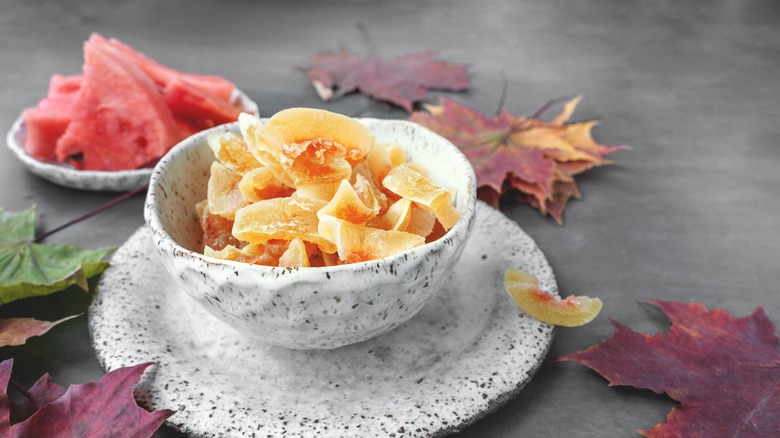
x=690, y=213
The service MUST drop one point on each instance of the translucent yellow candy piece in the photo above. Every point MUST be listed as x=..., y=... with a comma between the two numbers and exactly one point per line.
x=396, y=154
x=258, y=254
x=357, y=243
x=231, y=150
x=260, y=183
x=396, y=217
x=281, y=218
x=570, y=312
x=369, y=193
x=408, y=183
x=229, y=252
x=295, y=256
x=317, y=163
x=224, y=197
x=250, y=125
x=323, y=192
x=307, y=145
x=421, y=221
x=378, y=162
x=347, y=205
x=290, y=128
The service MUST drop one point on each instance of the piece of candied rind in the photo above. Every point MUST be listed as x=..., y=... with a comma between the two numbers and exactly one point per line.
x=231, y=150
x=421, y=221
x=369, y=193
x=295, y=256
x=408, y=183
x=298, y=125
x=396, y=217
x=347, y=205
x=224, y=197
x=357, y=243
x=217, y=231
x=572, y=311
x=260, y=183
x=323, y=192
x=281, y=218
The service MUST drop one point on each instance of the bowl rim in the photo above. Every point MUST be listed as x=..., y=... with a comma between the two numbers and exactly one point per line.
x=163, y=238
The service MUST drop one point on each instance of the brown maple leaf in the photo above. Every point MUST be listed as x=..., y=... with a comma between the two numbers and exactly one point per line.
x=402, y=81
x=537, y=158
x=723, y=370
x=16, y=331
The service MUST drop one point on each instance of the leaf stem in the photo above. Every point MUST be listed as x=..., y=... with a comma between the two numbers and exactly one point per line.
x=544, y=108
x=367, y=38
x=20, y=389
x=504, y=89
x=94, y=212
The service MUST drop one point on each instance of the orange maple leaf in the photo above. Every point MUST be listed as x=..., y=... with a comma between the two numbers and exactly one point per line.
x=517, y=154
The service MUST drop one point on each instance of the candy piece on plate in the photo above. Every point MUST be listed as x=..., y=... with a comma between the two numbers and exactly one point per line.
x=570, y=312
x=119, y=110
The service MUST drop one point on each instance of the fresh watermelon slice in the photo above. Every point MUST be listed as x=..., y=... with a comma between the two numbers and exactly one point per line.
x=46, y=122
x=120, y=120
x=186, y=127
x=190, y=103
x=216, y=86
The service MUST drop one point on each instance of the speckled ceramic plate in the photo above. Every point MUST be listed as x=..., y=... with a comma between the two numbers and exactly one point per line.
x=468, y=351
x=95, y=180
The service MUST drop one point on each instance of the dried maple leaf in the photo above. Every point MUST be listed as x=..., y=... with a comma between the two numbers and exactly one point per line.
x=402, y=81
x=103, y=408
x=723, y=370
x=537, y=158
x=29, y=269
x=16, y=331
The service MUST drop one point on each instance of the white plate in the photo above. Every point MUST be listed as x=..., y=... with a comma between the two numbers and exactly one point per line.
x=467, y=352
x=95, y=180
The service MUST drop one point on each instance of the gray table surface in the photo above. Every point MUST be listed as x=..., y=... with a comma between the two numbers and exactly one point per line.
x=690, y=213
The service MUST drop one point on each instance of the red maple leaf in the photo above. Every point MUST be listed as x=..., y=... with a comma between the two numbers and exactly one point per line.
x=402, y=81
x=103, y=408
x=539, y=159
x=723, y=370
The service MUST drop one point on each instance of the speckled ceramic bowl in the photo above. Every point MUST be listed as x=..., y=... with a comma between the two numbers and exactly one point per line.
x=307, y=308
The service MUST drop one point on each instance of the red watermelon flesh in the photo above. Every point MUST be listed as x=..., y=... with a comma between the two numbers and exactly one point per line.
x=120, y=120
x=190, y=103
x=46, y=122
x=186, y=127
x=217, y=86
